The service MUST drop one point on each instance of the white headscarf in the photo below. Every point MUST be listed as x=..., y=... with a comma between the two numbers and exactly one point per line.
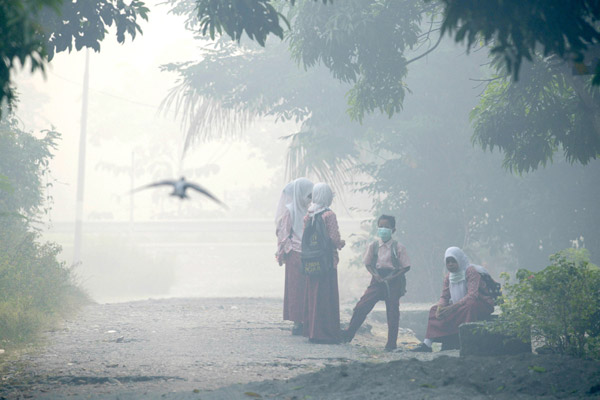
x=287, y=195
x=322, y=197
x=458, y=281
x=298, y=207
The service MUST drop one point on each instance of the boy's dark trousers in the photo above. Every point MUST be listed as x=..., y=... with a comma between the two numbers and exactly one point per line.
x=375, y=292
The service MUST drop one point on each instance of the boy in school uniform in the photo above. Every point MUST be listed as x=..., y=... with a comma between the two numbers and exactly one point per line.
x=387, y=261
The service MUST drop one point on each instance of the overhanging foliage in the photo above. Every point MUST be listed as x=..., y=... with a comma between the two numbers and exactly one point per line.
x=34, y=30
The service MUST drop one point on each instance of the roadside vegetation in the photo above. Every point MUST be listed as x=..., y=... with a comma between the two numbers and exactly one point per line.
x=557, y=306
x=36, y=289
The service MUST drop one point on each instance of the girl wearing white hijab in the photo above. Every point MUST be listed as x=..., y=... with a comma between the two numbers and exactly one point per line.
x=322, y=302
x=293, y=206
x=465, y=298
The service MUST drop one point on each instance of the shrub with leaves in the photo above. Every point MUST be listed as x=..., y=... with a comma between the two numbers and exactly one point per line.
x=559, y=304
x=35, y=287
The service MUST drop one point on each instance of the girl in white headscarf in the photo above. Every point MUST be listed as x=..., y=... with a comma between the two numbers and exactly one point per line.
x=287, y=195
x=293, y=206
x=322, y=304
x=465, y=298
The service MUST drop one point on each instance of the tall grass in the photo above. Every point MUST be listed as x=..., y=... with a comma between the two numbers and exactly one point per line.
x=35, y=288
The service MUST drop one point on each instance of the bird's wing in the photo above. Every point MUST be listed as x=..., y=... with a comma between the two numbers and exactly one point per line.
x=159, y=183
x=205, y=192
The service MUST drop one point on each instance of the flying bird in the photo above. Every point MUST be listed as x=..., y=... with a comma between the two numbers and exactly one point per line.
x=179, y=189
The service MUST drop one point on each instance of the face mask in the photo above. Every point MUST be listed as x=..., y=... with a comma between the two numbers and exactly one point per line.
x=384, y=233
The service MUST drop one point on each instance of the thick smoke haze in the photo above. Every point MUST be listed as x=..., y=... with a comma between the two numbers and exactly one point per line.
x=164, y=247
x=152, y=245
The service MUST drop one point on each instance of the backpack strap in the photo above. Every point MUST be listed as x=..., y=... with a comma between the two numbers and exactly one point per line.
x=374, y=251
x=394, y=249
x=371, y=265
x=395, y=258
x=321, y=212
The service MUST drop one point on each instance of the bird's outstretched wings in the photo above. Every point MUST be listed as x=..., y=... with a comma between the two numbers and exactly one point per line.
x=206, y=193
x=165, y=182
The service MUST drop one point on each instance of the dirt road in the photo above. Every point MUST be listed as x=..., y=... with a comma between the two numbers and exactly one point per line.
x=199, y=348
x=177, y=345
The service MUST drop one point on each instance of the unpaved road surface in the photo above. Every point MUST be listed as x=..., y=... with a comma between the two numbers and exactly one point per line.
x=161, y=347
x=241, y=349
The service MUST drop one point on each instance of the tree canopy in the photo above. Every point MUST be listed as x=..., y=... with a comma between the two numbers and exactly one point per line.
x=518, y=30
x=418, y=166
x=366, y=44
x=34, y=30
x=547, y=111
x=257, y=18
x=515, y=29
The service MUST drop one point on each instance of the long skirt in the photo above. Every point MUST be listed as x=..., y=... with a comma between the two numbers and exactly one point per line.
x=467, y=312
x=295, y=286
x=322, y=308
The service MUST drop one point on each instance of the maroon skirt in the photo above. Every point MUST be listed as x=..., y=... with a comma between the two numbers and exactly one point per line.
x=295, y=286
x=467, y=312
x=322, y=308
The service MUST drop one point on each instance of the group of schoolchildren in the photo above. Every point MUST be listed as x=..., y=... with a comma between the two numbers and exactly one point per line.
x=308, y=239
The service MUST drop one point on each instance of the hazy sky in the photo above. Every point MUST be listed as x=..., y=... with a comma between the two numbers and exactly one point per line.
x=126, y=88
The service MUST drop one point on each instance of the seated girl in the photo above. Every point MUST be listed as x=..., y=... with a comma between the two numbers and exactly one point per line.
x=465, y=298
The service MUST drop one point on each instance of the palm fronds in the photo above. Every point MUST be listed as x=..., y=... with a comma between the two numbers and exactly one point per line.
x=325, y=157
x=204, y=118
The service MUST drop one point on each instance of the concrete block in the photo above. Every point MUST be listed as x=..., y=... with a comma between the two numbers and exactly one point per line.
x=476, y=340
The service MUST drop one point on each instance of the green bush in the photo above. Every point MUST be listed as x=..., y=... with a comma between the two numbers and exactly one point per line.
x=560, y=305
x=35, y=288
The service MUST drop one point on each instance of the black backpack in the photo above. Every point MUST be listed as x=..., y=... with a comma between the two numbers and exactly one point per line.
x=317, y=250
x=493, y=287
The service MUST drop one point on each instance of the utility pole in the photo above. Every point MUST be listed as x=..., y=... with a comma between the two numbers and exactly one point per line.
x=131, y=187
x=81, y=164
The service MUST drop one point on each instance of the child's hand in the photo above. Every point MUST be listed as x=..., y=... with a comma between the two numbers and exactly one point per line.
x=442, y=312
x=280, y=258
x=438, y=311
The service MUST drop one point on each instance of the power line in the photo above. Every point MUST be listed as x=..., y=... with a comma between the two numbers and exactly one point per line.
x=139, y=103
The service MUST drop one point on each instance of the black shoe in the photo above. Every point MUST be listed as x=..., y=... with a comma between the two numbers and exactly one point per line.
x=422, y=348
x=345, y=335
x=390, y=348
x=297, y=329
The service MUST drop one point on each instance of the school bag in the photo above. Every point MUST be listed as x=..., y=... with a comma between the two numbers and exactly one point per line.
x=317, y=249
x=494, y=288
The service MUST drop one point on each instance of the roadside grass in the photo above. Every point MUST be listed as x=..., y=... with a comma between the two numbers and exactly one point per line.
x=36, y=290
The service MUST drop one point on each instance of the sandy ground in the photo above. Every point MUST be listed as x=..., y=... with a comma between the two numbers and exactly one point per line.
x=241, y=349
